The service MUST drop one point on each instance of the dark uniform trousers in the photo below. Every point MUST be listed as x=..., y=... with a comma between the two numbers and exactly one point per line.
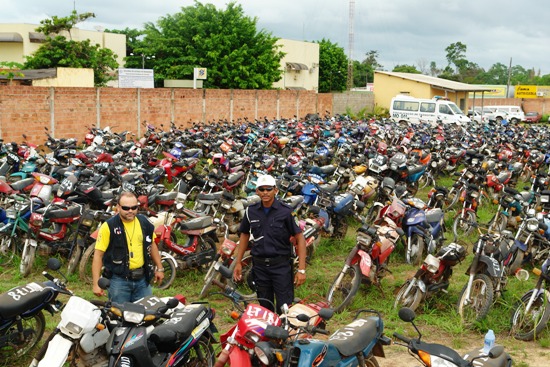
x=273, y=280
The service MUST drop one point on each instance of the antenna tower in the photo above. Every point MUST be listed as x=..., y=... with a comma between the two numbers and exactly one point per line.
x=350, y=44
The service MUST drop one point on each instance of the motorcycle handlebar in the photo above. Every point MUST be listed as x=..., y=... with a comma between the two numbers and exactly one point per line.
x=402, y=338
x=316, y=330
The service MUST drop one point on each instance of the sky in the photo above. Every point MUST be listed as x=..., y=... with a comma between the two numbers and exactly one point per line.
x=412, y=32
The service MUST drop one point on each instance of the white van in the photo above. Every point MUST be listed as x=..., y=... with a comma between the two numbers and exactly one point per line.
x=513, y=114
x=416, y=110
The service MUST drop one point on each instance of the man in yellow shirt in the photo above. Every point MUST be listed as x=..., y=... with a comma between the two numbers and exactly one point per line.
x=126, y=249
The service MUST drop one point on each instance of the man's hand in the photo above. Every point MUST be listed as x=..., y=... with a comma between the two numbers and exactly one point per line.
x=159, y=277
x=237, y=272
x=98, y=291
x=299, y=279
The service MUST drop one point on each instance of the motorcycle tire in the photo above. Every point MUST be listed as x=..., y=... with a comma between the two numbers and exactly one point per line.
x=33, y=328
x=85, y=266
x=74, y=259
x=411, y=300
x=426, y=180
x=201, y=354
x=211, y=274
x=371, y=361
x=344, y=288
x=462, y=226
x=417, y=250
x=498, y=223
x=27, y=260
x=169, y=273
x=8, y=248
x=481, y=296
x=529, y=326
x=451, y=199
x=246, y=285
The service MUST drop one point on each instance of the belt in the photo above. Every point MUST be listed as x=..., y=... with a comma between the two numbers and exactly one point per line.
x=136, y=274
x=270, y=261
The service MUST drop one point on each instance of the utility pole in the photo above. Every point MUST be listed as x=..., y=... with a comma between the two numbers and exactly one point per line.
x=350, y=45
x=509, y=76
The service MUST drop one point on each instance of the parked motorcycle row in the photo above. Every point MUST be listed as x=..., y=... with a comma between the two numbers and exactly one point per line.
x=195, y=185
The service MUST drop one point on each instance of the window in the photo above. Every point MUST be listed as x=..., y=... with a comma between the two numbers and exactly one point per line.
x=405, y=106
x=443, y=108
x=427, y=107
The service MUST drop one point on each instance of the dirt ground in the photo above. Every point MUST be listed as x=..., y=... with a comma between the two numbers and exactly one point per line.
x=524, y=354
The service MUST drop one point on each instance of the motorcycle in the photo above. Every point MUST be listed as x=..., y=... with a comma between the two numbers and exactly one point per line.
x=367, y=261
x=22, y=321
x=466, y=217
x=356, y=344
x=487, y=277
x=532, y=312
x=432, y=277
x=184, y=339
x=425, y=229
x=431, y=354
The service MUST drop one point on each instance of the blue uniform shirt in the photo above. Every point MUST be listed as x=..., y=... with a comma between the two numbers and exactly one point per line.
x=270, y=232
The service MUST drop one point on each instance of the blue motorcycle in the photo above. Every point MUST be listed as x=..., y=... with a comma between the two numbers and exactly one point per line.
x=424, y=228
x=356, y=344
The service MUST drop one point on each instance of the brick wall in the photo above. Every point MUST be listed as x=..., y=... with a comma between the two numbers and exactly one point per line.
x=67, y=112
x=540, y=105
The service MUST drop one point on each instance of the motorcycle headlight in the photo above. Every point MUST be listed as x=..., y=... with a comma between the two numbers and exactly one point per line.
x=434, y=164
x=133, y=317
x=264, y=352
x=532, y=225
x=431, y=263
x=474, y=194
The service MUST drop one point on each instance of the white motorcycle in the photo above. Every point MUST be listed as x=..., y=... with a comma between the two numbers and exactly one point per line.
x=83, y=330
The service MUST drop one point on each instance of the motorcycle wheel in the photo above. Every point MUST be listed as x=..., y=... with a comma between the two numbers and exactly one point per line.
x=417, y=250
x=211, y=274
x=27, y=260
x=74, y=259
x=343, y=288
x=85, y=266
x=371, y=361
x=462, y=226
x=8, y=247
x=516, y=261
x=411, y=299
x=498, y=223
x=451, y=199
x=33, y=329
x=169, y=273
x=201, y=354
x=481, y=299
x=341, y=230
x=528, y=326
x=246, y=285
x=412, y=188
x=425, y=180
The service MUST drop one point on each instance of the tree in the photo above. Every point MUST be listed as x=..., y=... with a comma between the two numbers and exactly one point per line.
x=57, y=51
x=224, y=41
x=456, y=55
x=11, y=69
x=333, y=67
x=134, y=42
x=406, y=69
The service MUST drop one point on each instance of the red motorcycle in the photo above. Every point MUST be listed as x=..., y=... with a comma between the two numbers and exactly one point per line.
x=367, y=261
x=174, y=167
x=199, y=248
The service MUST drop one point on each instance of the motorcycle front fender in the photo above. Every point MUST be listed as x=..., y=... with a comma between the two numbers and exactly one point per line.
x=365, y=263
x=239, y=357
x=57, y=352
x=166, y=255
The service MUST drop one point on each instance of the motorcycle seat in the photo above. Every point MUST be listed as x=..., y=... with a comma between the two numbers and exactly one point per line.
x=210, y=198
x=294, y=201
x=131, y=176
x=362, y=331
x=194, y=152
x=329, y=188
x=168, y=336
x=196, y=223
x=328, y=169
x=234, y=178
x=70, y=212
x=434, y=215
x=21, y=184
x=416, y=169
x=167, y=196
x=23, y=298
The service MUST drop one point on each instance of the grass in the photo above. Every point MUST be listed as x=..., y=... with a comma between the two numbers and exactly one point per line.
x=437, y=318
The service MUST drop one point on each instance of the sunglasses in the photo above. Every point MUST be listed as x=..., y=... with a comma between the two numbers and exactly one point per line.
x=264, y=189
x=128, y=208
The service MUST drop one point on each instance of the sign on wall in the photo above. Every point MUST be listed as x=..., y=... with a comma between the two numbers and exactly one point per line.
x=136, y=78
x=526, y=91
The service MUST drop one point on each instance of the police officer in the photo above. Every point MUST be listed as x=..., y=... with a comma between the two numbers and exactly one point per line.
x=268, y=226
